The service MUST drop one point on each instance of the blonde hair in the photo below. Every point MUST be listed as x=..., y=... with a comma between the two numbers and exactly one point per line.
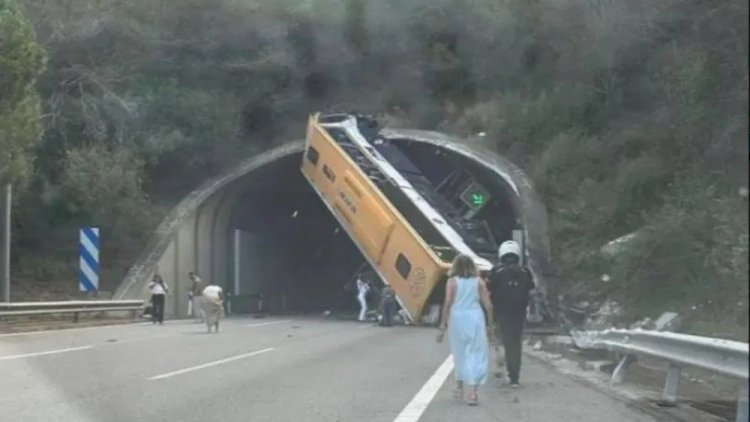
x=463, y=266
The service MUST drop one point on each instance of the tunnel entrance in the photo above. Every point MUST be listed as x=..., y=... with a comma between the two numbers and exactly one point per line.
x=288, y=249
x=295, y=254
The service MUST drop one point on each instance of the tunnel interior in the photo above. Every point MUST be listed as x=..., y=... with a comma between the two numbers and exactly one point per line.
x=286, y=245
x=437, y=164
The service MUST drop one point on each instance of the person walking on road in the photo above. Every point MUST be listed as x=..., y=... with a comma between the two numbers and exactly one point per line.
x=511, y=285
x=465, y=296
x=362, y=289
x=159, y=290
x=387, y=306
x=194, y=296
x=213, y=301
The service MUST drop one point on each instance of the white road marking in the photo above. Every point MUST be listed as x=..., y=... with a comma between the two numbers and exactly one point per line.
x=68, y=330
x=261, y=324
x=99, y=327
x=116, y=341
x=210, y=364
x=48, y=352
x=416, y=407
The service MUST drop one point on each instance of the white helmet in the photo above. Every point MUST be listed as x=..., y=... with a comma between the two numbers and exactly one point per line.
x=509, y=247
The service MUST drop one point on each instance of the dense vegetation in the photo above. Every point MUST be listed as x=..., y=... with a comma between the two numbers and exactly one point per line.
x=631, y=116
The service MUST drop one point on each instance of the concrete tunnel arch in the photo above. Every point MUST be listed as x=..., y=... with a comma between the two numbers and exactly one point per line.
x=195, y=235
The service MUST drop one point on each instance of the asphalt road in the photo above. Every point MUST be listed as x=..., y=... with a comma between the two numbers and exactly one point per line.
x=267, y=370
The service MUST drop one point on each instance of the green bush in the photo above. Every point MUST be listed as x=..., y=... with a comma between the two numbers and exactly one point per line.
x=21, y=62
x=693, y=251
x=102, y=187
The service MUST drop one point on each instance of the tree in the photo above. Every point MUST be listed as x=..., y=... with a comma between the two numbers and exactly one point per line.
x=22, y=60
x=103, y=187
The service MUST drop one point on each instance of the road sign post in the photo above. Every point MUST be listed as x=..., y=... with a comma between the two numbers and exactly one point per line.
x=5, y=276
x=88, y=275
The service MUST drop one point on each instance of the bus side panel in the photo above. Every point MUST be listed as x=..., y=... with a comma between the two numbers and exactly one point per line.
x=312, y=169
x=323, y=175
x=372, y=224
x=411, y=271
x=342, y=189
x=376, y=228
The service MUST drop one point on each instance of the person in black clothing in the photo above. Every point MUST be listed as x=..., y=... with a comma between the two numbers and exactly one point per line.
x=510, y=287
x=159, y=290
x=387, y=306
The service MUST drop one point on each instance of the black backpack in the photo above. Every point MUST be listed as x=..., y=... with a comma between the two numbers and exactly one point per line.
x=510, y=286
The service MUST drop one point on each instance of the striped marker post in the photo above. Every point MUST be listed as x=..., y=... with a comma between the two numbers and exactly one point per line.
x=88, y=275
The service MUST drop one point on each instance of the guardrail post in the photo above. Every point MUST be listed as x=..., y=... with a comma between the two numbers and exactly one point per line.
x=75, y=316
x=620, y=374
x=742, y=408
x=671, y=384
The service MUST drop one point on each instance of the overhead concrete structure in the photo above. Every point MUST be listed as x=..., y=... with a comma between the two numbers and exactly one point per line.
x=259, y=229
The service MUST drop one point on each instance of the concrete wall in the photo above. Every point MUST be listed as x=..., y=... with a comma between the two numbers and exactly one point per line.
x=195, y=236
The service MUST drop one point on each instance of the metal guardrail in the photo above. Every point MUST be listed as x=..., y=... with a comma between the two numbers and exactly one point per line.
x=725, y=357
x=75, y=307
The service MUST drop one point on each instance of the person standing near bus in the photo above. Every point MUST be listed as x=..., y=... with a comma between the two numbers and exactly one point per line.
x=194, y=295
x=362, y=289
x=159, y=291
x=387, y=306
x=511, y=285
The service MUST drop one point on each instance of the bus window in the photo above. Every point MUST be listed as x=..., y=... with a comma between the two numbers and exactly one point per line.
x=329, y=173
x=403, y=266
x=312, y=155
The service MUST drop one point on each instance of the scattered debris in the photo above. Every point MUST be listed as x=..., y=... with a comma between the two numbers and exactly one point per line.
x=404, y=317
x=596, y=365
x=644, y=324
x=618, y=245
x=606, y=316
x=433, y=315
x=668, y=321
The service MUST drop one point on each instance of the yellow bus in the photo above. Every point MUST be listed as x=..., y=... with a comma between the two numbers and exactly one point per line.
x=406, y=241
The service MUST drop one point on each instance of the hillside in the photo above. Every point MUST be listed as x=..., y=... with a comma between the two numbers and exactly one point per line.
x=631, y=117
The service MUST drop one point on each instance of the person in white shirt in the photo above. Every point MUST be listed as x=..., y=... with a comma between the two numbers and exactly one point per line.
x=362, y=289
x=213, y=301
x=194, y=296
x=159, y=291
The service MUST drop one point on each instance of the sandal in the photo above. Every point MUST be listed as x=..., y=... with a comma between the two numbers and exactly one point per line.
x=458, y=392
x=473, y=400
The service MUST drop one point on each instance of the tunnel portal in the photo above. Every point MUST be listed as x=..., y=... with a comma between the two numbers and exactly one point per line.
x=262, y=233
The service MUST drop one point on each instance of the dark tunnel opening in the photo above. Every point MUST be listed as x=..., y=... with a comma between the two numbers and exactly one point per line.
x=297, y=256
x=292, y=251
x=437, y=164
